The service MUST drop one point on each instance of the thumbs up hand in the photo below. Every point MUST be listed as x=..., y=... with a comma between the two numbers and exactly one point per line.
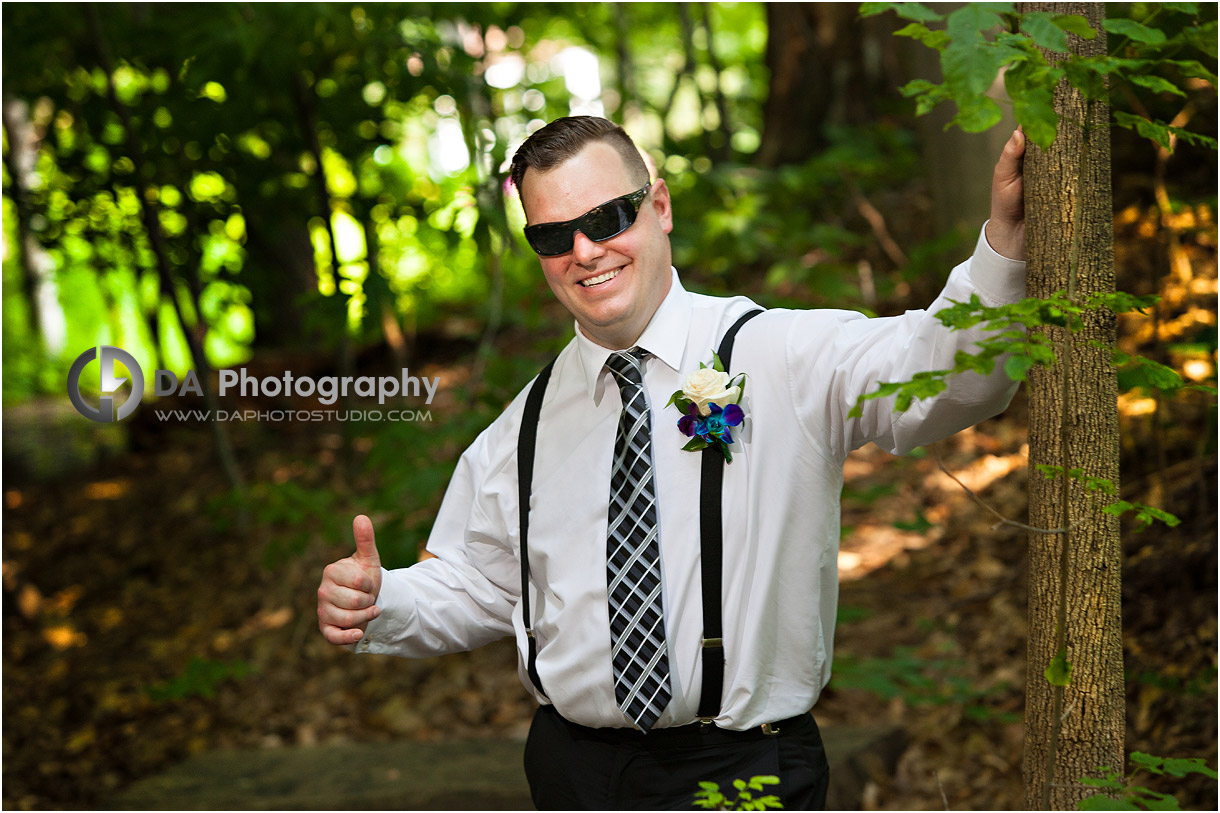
x=349, y=589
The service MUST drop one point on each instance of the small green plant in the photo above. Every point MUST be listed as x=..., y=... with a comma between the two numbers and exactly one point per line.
x=709, y=796
x=1120, y=794
x=200, y=679
x=919, y=681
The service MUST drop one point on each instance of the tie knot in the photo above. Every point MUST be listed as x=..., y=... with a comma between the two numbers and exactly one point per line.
x=628, y=367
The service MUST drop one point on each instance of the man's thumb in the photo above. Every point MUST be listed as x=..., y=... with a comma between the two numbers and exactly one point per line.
x=366, y=545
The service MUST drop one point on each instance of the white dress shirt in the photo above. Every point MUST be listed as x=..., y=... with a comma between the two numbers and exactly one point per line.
x=781, y=501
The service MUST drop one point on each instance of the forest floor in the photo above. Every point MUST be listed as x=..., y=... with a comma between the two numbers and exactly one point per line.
x=141, y=627
x=135, y=634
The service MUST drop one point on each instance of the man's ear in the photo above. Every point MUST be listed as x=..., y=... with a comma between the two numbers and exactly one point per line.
x=661, y=204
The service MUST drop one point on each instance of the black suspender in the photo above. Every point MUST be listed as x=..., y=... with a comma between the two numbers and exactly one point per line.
x=711, y=551
x=710, y=536
x=526, y=441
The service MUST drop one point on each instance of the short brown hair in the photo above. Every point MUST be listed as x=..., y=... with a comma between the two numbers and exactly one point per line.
x=563, y=138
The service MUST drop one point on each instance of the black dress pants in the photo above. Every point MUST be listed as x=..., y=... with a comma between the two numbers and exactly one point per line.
x=571, y=767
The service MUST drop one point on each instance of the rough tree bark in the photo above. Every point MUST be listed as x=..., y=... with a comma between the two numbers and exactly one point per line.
x=1074, y=582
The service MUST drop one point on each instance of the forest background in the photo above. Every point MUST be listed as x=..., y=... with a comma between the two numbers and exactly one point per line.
x=320, y=188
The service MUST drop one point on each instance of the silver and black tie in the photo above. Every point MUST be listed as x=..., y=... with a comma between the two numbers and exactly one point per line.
x=633, y=556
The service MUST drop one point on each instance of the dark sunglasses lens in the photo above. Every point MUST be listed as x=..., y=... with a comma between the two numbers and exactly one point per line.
x=607, y=220
x=548, y=240
x=602, y=223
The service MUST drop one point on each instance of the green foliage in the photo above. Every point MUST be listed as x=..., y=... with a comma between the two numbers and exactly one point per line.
x=230, y=121
x=1014, y=331
x=292, y=515
x=1156, y=54
x=1119, y=793
x=199, y=679
x=918, y=680
x=1145, y=515
x=787, y=225
x=709, y=796
x=1059, y=672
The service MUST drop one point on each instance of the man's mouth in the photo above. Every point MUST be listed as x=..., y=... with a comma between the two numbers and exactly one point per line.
x=600, y=278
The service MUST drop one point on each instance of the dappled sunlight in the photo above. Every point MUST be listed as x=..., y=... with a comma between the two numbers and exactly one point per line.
x=1131, y=405
x=980, y=473
x=107, y=489
x=874, y=546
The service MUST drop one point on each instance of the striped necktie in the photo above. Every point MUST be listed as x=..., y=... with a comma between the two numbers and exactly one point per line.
x=633, y=556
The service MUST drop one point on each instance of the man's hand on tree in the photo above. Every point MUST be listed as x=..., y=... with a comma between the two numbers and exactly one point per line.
x=348, y=594
x=1006, y=228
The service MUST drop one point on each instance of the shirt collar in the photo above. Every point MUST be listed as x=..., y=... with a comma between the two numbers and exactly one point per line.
x=665, y=336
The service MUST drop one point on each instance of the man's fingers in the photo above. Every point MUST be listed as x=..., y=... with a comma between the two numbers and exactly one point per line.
x=339, y=636
x=346, y=598
x=332, y=616
x=348, y=573
x=366, y=544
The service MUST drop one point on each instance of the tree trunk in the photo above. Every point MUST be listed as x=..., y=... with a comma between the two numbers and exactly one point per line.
x=1074, y=581
x=824, y=69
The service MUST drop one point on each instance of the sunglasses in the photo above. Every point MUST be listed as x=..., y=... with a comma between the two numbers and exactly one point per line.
x=599, y=223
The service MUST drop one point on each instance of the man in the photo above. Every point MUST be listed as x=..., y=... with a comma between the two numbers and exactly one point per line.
x=615, y=645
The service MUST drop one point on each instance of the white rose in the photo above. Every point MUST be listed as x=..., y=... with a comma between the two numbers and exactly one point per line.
x=710, y=386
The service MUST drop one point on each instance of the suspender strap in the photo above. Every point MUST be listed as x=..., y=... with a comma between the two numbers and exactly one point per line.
x=712, y=553
x=526, y=441
x=710, y=534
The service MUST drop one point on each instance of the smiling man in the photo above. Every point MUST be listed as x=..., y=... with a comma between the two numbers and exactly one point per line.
x=677, y=617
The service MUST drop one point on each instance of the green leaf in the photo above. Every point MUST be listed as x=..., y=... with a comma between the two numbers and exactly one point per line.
x=977, y=114
x=1156, y=84
x=1016, y=367
x=711, y=787
x=1083, y=76
x=1108, y=783
x=1202, y=37
x=1194, y=138
x=1182, y=767
x=1193, y=69
x=970, y=63
x=1034, y=110
x=1155, y=130
x=1074, y=24
x=1041, y=27
x=937, y=40
x=1059, y=673
x=1184, y=8
x=1137, y=32
x=1158, y=801
x=917, y=12
x=717, y=365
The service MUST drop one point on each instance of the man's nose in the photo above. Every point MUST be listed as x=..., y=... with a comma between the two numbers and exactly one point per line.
x=584, y=250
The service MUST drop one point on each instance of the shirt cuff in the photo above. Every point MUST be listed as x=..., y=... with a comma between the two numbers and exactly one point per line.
x=997, y=279
x=379, y=631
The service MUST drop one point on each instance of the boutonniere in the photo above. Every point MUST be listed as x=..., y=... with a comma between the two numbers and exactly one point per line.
x=710, y=402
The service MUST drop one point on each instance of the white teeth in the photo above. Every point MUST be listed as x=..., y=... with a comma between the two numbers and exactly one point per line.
x=598, y=280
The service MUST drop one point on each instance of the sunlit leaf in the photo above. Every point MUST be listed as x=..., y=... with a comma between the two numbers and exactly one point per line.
x=1041, y=27
x=1132, y=30
x=1156, y=84
x=1059, y=673
x=1074, y=24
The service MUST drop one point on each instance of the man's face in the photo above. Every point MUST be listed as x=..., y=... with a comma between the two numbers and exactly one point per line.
x=613, y=312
